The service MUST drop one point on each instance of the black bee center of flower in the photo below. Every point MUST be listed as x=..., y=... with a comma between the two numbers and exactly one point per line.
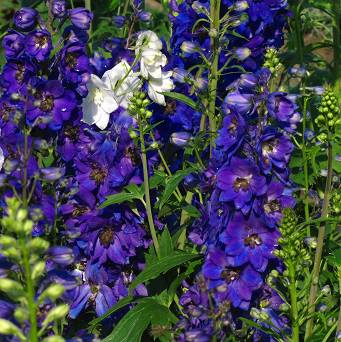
x=230, y=275
x=170, y=107
x=94, y=289
x=20, y=73
x=233, y=127
x=106, y=237
x=270, y=146
x=272, y=206
x=71, y=133
x=241, y=183
x=98, y=174
x=41, y=41
x=71, y=60
x=47, y=103
x=5, y=112
x=134, y=156
x=253, y=240
x=79, y=210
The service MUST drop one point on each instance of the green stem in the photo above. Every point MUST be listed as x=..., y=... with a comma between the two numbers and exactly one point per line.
x=305, y=167
x=88, y=6
x=298, y=33
x=33, y=334
x=338, y=327
x=320, y=244
x=293, y=303
x=337, y=44
x=146, y=189
x=213, y=76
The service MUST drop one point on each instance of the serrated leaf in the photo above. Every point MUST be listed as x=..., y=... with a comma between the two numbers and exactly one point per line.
x=182, y=98
x=162, y=265
x=172, y=184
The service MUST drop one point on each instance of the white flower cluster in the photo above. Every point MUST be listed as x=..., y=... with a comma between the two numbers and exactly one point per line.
x=117, y=85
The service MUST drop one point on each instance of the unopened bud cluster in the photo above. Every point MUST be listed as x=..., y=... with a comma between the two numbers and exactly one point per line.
x=292, y=248
x=272, y=61
x=138, y=106
x=335, y=200
x=329, y=111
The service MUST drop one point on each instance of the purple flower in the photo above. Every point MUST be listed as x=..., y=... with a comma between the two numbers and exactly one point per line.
x=237, y=285
x=240, y=182
x=13, y=43
x=180, y=139
x=232, y=133
x=119, y=20
x=239, y=103
x=39, y=45
x=58, y=8
x=25, y=19
x=51, y=103
x=270, y=206
x=283, y=109
x=51, y=174
x=274, y=149
x=16, y=74
x=248, y=241
x=81, y=18
x=61, y=255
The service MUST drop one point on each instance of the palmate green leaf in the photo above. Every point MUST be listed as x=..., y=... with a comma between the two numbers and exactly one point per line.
x=162, y=265
x=182, y=98
x=132, y=326
x=172, y=184
x=262, y=328
x=166, y=243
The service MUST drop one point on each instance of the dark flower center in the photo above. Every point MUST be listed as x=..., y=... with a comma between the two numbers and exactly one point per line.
x=71, y=133
x=272, y=206
x=41, y=41
x=98, y=174
x=253, y=240
x=47, y=103
x=79, y=210
x=5, y=112
x=71, y=60
x=133, y=154
x=230, y=275
x=170, y=107
x=241, y=183
x=232, y=129
x=20, y=73
x=270, y=146
x=106, y=237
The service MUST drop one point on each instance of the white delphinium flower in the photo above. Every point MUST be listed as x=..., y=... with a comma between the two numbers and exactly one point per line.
x=2, y=158
x=123, y=82
x=99, y=103
x=156, y=86
x=148, y=49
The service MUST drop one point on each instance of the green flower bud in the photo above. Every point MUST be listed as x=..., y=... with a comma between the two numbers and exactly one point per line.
x=38, y=245
x=55, y=314
x=8, y=328
x=54, y=338
x=284, y=307
x=53, y=292
x=38, y=269
x=133, y=134
x=154, y=145
x=20, y=314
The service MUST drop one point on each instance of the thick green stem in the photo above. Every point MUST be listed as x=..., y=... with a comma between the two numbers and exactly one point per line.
x=146, y=190
x=337, y=44
x=293, y=303
x=305, y=167
x=213, y=76
x=338, y=327
x=320, y=244
x=32, y=309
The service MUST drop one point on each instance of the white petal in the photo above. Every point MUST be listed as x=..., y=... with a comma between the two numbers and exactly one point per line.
x=90, y=112
x=156, y=96
x=103, y=120
x=109, y=103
